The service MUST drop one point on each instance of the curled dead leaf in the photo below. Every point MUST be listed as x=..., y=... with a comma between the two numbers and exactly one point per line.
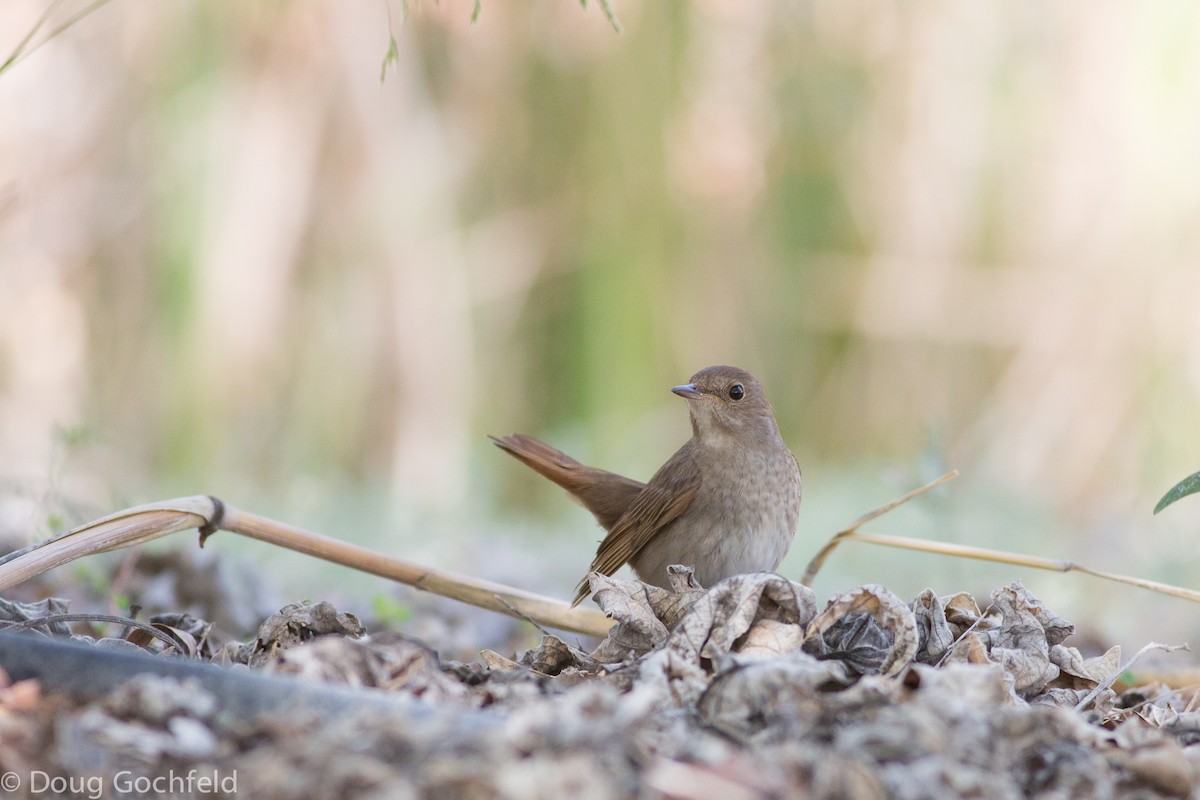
x=870, y=629
x=754, y=610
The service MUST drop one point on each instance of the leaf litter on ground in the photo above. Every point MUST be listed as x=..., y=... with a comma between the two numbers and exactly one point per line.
x=747, y=689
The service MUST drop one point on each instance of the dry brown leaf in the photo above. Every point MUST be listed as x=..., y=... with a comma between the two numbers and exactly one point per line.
x=493, y=660
x=769, y=637
x=675, y=681
x=750, y=695
x=744, y=608
x=1026, y=622
x=11, y=611
x=971, y=648
x=1031, y=670
x=638, y=629
x=1084, y=673
x=186, y=642
x=553, y=655
x=1018, y=633
x=870, y=629
x=935, y=635
x=300, y=622
x=1101, y=704
x=961, y=611
x=670, y=606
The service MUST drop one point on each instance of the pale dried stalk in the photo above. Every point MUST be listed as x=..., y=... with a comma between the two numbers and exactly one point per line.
x=141, y=524
x=819, y=559
x=1022, y=560
x=1121, y=670
x=980, y=553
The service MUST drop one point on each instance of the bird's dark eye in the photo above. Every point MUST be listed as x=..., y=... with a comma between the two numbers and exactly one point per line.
x=737, y=392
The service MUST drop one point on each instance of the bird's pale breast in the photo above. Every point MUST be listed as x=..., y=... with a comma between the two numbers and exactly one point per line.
x=742, y=519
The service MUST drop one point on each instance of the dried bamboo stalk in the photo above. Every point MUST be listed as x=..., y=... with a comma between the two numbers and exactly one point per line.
x=851, y=533
x=134, y=526
x=1022, y=560
x=819, y=559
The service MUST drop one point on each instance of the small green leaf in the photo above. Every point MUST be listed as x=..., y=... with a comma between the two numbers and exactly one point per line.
x=475, y=11
x=392, y=57
x=1189, y=485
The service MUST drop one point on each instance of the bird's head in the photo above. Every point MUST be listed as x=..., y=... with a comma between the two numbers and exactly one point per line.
x=727, y=403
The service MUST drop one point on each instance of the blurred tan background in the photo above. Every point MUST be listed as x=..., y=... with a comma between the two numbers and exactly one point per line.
x=234, y=261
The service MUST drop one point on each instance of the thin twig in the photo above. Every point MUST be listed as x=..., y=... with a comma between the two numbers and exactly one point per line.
x=516, y=612
x=819, y=559
x=978, y=620
x=980, y=553
x=1100, y=687
x=1021, y=560
x=85, y=617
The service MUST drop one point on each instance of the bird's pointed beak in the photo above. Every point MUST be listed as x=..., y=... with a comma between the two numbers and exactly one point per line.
x=688, y=390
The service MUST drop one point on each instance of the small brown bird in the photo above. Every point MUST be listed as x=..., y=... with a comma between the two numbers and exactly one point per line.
x=726, y=503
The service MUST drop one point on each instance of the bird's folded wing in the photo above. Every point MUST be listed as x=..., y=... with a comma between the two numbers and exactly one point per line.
x=665, y=497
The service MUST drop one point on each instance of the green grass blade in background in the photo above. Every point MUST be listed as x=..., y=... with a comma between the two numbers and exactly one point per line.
x=1189, y=485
